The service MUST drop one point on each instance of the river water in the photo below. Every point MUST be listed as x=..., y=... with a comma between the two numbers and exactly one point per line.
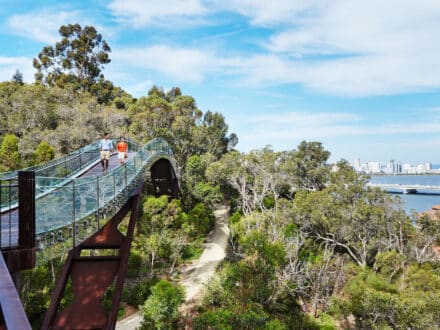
x=416, y=202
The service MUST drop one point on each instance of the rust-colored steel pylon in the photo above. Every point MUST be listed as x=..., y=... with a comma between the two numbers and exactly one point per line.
x=92, y=275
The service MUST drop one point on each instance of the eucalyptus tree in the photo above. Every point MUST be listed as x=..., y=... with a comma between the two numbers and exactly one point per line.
x=78, y=58
x=17, y=77
x=308, y=166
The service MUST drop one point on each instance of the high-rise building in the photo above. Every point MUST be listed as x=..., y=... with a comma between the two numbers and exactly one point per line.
x=374, y=167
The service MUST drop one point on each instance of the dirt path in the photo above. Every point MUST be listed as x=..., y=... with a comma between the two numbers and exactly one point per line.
x=197, y=274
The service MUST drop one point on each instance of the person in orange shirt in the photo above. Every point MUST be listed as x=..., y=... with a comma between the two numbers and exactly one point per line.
x=122, y=148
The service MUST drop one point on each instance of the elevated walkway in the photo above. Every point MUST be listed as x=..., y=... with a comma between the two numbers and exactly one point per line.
x=45, y=216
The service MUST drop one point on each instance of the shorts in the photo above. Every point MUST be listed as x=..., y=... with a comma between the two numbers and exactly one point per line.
x=121, y=155
x=105, y=154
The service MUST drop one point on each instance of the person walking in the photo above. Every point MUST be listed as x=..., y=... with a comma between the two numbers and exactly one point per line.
x=122, y=148
x=106, y=148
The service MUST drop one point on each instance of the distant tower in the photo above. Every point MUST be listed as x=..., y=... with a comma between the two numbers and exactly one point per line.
x=357, y=165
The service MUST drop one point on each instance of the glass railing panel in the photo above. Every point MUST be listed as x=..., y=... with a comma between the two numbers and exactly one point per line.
x=106, y=189
x=54, y=209
x=86, y=198
x=8, y=193
x=8, y=219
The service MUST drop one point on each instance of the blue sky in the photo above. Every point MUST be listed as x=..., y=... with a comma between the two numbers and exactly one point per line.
x=362, y=77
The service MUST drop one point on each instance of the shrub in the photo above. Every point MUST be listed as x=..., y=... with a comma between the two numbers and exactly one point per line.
x=140, y=292
x=161, y=308
x=9, y=155
x=43, y=153
x=202, y=219
x=254, y=317
x=217, y=319
x=134, y=264
x=235, y=217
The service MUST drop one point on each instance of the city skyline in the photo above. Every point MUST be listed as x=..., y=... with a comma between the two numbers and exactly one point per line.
x=280, y=72
x=394, y=167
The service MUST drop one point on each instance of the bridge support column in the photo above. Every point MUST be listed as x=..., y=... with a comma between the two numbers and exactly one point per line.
x=92, y=275
x=23, y=256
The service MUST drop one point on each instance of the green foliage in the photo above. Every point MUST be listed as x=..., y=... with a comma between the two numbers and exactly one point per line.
x=193, y=250
x=309, y=167
x=268, y=202
x=252, y=318
x=176, y=118
x=9, y=155
x=202, y=219
x=43, y=153
x=324, y=322
x=390, y=264
x=235, y=217
x=140, y=292
x=257, y=242
x=219, y=319
x=159, y=213
x=36, y=288
x=134, y=263
x=275, y=325
x=161, y=308
x=207, y=193
x=377, y=303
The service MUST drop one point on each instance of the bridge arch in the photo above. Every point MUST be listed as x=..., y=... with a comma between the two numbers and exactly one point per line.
x=164, y=179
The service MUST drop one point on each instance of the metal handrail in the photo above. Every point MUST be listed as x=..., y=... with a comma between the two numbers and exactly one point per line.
x=13, y=313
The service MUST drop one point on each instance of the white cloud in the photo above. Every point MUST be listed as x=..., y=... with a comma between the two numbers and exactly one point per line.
x=41, y=25
x=183, y=64
x=273, y=12
x=8, y=66
x=154, y=12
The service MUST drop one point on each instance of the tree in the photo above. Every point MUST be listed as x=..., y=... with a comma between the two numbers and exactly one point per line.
x=9, y=155
x=176, y=118
x=308, y=164
x=211, y=135
x=43, y=153
x=18, y=77
x=77, y=59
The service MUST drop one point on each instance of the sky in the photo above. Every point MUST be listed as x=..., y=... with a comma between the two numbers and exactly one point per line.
x=362, y=77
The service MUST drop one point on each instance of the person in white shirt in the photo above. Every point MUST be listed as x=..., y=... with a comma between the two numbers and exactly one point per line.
x=106, y=148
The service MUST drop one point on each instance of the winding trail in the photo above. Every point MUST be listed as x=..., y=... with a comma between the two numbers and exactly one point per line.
x=196, y=275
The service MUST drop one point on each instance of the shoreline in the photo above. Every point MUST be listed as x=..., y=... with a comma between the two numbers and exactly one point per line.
x=433, y=213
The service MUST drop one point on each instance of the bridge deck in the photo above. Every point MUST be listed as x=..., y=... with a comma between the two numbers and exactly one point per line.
x=407, y=188
x=9, y=219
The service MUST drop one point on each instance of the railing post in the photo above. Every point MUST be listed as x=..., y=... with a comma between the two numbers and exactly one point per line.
x=125, y=171
x=26, y=209
x=73, y=215
x=9, y=206
x=97, y=200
